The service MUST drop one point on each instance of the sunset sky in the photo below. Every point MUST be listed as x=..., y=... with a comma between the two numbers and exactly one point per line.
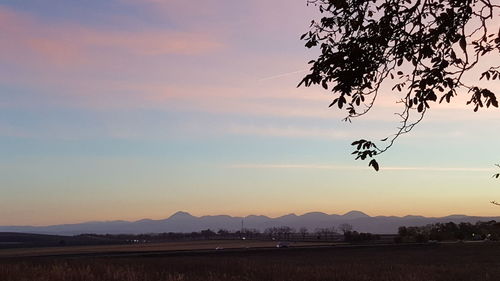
x=131, y=109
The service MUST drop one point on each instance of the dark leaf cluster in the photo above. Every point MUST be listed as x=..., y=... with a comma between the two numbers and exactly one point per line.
x=423, y=46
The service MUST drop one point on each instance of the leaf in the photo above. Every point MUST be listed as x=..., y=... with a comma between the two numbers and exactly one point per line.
x=420, y=107
x=341, y=102
x=357, y=142
x=463, y=44
x=373, y=163
x=324, y=84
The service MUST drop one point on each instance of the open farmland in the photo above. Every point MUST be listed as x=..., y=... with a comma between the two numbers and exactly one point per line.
x=439, y=262
x=147, y=248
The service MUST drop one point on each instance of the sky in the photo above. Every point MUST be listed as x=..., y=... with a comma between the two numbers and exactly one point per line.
x=131, y=109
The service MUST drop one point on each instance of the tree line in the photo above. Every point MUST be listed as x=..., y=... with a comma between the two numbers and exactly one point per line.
x=341, y=232
x=450, y=231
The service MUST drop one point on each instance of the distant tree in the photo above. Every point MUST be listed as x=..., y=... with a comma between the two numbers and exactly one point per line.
x=325, y=233
x=271, y=232
x=333, y=231
x=223, y=232
x=345, y=227
x=285, y=232
x=424, y=46
x=413, y=234
x=303, y=232
x=250, y=232
x=402, y=231
x=207, y=234
x=321, y=233
x=354, y=236
x=489, y=230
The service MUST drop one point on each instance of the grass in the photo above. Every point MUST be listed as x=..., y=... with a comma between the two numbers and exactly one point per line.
x=454, y=262
x=147, y=247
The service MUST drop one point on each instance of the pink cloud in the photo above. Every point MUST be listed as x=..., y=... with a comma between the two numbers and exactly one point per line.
x=72, y=63
x=258, y=14
x=151, y=43
x=30, y=39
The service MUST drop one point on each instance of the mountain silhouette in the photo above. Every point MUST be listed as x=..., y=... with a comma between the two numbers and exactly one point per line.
x=185, y=222
x=181, y=215
x=355, y=215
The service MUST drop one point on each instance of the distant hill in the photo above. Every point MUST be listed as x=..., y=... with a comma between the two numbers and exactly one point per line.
x=185, y=222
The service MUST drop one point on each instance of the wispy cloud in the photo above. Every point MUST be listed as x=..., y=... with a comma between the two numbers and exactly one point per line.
x=346, y=167
x=282, y=75
x=87, y=67
x=288, y=131
x=33, y=40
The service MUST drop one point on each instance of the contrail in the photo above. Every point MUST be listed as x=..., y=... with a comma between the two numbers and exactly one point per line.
x=282, y=75
x=292, y=166
x=341, y=167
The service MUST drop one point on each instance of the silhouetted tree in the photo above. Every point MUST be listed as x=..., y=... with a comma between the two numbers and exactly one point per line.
x=332, y=231
x=450, y=231
x=424, y=46
x=284, y=232
x=345, y=227
x=207, y=233
x=325, y=233
x=354, y=236
x=321, y=233
x=271, y=232
x=250, y=232
x=223, y=232
x=303, y=232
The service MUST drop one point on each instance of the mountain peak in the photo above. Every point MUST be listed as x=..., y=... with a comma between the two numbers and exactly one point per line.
x=291, y=215
x=181, y=214
x=455, y=216
x=355, y=214
x=312, y=215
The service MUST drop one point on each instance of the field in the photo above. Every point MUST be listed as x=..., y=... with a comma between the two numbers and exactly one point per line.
x=446, y=262
x=147, y=248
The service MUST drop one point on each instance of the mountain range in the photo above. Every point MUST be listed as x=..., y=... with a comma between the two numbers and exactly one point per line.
x=185, y=222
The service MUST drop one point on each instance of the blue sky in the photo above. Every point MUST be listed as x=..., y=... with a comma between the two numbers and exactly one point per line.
x=131, y=109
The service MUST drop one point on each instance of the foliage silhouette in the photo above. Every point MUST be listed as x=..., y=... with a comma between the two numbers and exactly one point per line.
x=489, y=230
x=424, y=46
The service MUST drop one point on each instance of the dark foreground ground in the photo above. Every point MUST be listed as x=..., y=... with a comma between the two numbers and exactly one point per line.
x=450, y=262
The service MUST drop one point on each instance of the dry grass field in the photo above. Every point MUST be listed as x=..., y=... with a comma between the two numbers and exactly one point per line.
x=450, y=262
x=146, y=247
